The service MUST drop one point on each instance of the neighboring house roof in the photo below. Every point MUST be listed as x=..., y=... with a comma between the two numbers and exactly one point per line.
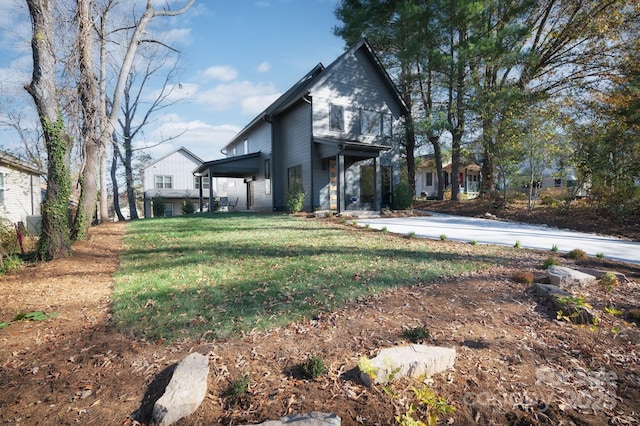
x=9, y=160
x=317, y=76
x=238, y=166
x=194, y=157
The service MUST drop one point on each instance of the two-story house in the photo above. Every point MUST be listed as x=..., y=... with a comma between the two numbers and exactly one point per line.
x=169, y=181
x=20, y=192
x=336, y=130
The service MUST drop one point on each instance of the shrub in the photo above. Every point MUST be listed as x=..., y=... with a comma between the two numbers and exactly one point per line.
x=517, y=244
x=188, y=207
x=295, y=196
x=158, y=206
x=554, y=248
x=443, y=237
x=416, y=334
x=609, y=281
x=550, y=261
x=403, y=196
x=238, y=390
x=523, y=277
x=473, y=242
x=313, y=368
x=576, y=254
x=11, y=264
x=411, y=234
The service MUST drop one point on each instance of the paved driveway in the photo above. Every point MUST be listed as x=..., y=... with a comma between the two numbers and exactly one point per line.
x=487, y=231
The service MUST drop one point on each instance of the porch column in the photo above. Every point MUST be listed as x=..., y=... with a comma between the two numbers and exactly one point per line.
x=201, y=197
x=377, y=184
x=211, y=199
x=340, y=176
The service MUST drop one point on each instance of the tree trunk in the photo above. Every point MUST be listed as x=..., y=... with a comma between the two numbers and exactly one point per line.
x=437, y=155
x=114, y=183
x=411, y=147
x=87, y=92
x=54, y=238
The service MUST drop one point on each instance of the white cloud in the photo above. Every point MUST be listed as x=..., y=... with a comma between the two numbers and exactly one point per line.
x=221, y=73
x=176, y=36
x=250, y=97
x=263, y=67
x=263, y=3
x=203, y=139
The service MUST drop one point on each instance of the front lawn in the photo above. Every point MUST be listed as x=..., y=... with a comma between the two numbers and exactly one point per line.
x=216, y=276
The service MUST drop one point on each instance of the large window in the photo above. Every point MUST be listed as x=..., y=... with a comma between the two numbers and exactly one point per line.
x=429, y=179
x=1, y=189
x=336, y=118
x=205, y=182
x=164, y=182
x=367, y=185
x=294, y=173
x=375, y=123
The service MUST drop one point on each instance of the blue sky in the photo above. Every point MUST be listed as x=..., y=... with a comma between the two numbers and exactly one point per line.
x=237, y=56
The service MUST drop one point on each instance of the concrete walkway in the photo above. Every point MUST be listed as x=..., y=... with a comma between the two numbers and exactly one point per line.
x=487, y=231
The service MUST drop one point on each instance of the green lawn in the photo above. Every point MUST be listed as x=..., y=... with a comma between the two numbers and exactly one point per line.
x=218, y=275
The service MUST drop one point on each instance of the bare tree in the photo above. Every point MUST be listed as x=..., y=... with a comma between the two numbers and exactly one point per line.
x=54, y=240
x=92, y=165
x=130, y=127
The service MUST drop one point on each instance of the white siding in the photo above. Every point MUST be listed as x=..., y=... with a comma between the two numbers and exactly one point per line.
x=21, y=195
x=178, y=165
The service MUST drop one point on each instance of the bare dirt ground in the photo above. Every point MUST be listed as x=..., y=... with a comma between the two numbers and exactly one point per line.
x=516, y=364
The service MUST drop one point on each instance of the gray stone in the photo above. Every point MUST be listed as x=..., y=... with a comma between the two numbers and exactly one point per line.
x=599, y=273
x=567, y=278
x=315, y=418
x=185, y=392
x=411, y=361
x=553, y=296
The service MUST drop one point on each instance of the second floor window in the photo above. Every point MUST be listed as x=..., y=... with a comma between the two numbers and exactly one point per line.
x=164, y=182
x=205, y=182
x=375, y=123
x=1, y=189
x=336, y=118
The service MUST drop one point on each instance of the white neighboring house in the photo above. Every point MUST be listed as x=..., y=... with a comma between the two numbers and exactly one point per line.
x=427, y=178
x=20, y=192
x=171, y=179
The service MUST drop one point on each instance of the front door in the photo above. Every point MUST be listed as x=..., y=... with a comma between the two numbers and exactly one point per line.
x=333, y=185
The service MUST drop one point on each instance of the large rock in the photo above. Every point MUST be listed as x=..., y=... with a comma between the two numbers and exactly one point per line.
x=315, y=418
x=599, y=273
x=185, y=392
x=411, y=361
x=567, y=278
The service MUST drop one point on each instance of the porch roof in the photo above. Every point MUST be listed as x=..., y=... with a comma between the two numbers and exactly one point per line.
x=235, y=167
x=329, y=147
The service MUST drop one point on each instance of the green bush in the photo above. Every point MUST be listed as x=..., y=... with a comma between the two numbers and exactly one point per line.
x=158, y=206
x=313, y=368
x=416, y=334
x=577, y=254
x=550, y=261
x=9, y=264
x=188, y=207
x=403, y=196
x=295, y=196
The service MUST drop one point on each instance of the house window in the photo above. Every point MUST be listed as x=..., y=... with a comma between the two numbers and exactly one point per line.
x=163, y=182
x=246, y=146
x=429, y=179
x=387, y=124
x=336, y=118
x=557, y=182
x=205, y=182
x=294, y=173
x=367, y=185
x=1, y=189
x=370, y=122
x=267, y=169
x=168, y=210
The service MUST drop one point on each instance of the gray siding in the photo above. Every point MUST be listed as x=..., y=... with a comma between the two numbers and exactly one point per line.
x=355, y=85
x=295, y=143
x=258, y=140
